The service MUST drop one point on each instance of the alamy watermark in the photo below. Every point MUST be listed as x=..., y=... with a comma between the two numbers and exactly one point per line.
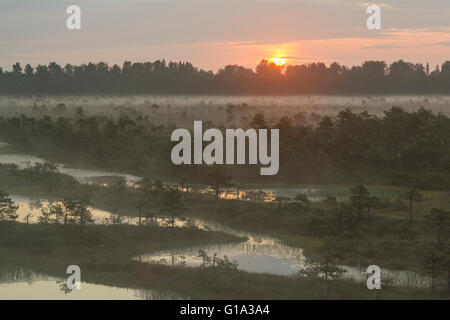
x=374, y=20
x=73, y=21
x=374, y=277
x=235, y=140
x=74, y=280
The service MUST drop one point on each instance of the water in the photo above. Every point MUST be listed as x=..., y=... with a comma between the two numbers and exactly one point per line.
x=82, y=175
x=17, y=283
x=259, y=253
x=395, y=278
x=314, y=195
x=89, y=176
x=30, y=209
x=264, y=254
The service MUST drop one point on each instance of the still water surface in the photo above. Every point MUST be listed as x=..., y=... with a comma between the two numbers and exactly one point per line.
x=259, y=253
x=17, y=283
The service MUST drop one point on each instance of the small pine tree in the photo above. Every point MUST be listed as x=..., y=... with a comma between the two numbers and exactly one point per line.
x=358, y=198
x=412, y=196
x=8, y=211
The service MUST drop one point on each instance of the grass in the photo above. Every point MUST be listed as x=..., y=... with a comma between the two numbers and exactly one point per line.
x=104, y=254
x=385, y=240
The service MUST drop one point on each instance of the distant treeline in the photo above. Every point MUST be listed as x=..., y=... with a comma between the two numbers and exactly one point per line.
x=399, y=148
x=160, y=77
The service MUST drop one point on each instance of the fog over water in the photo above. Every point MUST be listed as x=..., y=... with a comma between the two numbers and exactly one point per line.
x=172, y=104
x=258, y=253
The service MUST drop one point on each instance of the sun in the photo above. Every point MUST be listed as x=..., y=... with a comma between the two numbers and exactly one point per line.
x=279, y=61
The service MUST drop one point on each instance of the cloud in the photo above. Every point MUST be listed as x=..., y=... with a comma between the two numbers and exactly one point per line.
x=215, y=33
x=381, y=5
x=228, y=43
x=383, y=46
x=447, y=44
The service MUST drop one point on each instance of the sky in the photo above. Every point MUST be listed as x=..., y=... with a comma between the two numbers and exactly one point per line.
x=215, y=33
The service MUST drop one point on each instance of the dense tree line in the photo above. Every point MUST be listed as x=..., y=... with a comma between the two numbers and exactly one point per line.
x=400, y=147
x=268, y=78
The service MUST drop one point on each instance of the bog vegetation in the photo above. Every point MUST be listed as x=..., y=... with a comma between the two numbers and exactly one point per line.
x=398, y=148
x=400, y=233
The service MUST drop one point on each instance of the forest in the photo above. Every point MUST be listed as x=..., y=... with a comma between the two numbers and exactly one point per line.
x=94, y=186
x=161, y=77
x=398, y=148
x=204, y=151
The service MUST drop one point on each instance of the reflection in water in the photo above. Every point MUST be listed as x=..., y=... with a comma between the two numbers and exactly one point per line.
x=100, y=177
x=394, y=278
x=30, y=209
x=14, y=274
x=63, y=287
x=82, y=175
x=20, y=283
x=270, y=195
x=407, y=279
x=265, y=254
x=258, y=254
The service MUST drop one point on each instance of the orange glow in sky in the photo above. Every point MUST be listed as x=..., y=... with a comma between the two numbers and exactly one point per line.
x=279, y=61
x=227, y=32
